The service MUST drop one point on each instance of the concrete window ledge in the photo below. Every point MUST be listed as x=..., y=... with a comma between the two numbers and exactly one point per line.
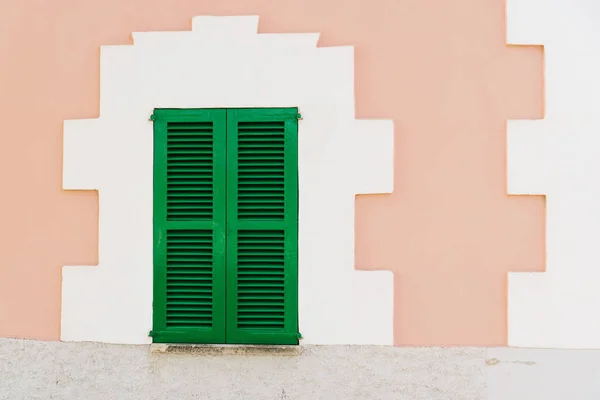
x=224, y=349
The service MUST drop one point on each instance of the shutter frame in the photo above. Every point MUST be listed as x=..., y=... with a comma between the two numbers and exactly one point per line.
x=287, y=333
x=163, y=227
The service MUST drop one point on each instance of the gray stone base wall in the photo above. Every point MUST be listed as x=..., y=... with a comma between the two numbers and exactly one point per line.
x=89, y=371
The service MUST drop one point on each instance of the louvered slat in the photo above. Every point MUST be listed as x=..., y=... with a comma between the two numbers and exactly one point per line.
x=261, y=158
x=189, y=197
x=261, y=279
x=189, y=170
x=189, y=278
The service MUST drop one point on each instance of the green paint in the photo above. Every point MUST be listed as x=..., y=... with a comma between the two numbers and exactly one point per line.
x=189, y=226
x=262, y=226
x=226, y=226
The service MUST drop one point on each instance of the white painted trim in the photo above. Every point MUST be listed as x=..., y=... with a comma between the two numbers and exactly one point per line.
x=223, y=62
x=560, y=157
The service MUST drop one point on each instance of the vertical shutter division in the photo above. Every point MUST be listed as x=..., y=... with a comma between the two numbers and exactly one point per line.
x=189, y=222
x=262, y=226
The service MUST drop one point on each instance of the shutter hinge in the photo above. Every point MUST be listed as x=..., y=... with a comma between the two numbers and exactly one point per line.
x=151, y=333
x=299, y=336
x=151, y=117
x=299, y=116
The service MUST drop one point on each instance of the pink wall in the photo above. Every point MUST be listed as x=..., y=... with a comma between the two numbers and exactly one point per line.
x=440, y=69
x=449, y=232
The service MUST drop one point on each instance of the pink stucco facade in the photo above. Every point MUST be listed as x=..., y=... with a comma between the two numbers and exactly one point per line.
x=440, y=70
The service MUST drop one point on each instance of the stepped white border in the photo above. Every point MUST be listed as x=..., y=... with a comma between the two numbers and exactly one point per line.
x=560, y=157
x=223, y=62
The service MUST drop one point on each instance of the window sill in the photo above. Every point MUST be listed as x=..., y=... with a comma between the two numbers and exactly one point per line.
x=225, y=349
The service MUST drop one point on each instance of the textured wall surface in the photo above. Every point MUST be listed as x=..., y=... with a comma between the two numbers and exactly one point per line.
x=338, y=157
x=439, y=69
x=48, y=370
x=449, y=231
x=560, y=157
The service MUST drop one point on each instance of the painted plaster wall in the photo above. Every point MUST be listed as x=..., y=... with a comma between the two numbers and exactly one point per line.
x=455, y=232
x=48, y=370
x=439, y=69
x=560, y=157
x=338, y=157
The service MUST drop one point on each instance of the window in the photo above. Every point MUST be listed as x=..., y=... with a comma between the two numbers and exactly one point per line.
x=226, y=226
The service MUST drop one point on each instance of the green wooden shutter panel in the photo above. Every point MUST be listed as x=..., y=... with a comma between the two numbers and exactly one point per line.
x=189, y=299
x=262, y=226
x=226, y=226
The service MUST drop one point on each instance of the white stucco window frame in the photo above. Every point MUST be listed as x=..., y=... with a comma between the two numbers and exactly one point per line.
x=224, y=63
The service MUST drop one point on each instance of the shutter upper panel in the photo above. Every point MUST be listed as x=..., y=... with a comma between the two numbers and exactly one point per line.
x=189, y=226
x=262, y=226
x=190, y=152
x=261, y=170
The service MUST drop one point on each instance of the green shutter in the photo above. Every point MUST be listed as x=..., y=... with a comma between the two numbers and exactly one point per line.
x=189, y=226
x=262, y=226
